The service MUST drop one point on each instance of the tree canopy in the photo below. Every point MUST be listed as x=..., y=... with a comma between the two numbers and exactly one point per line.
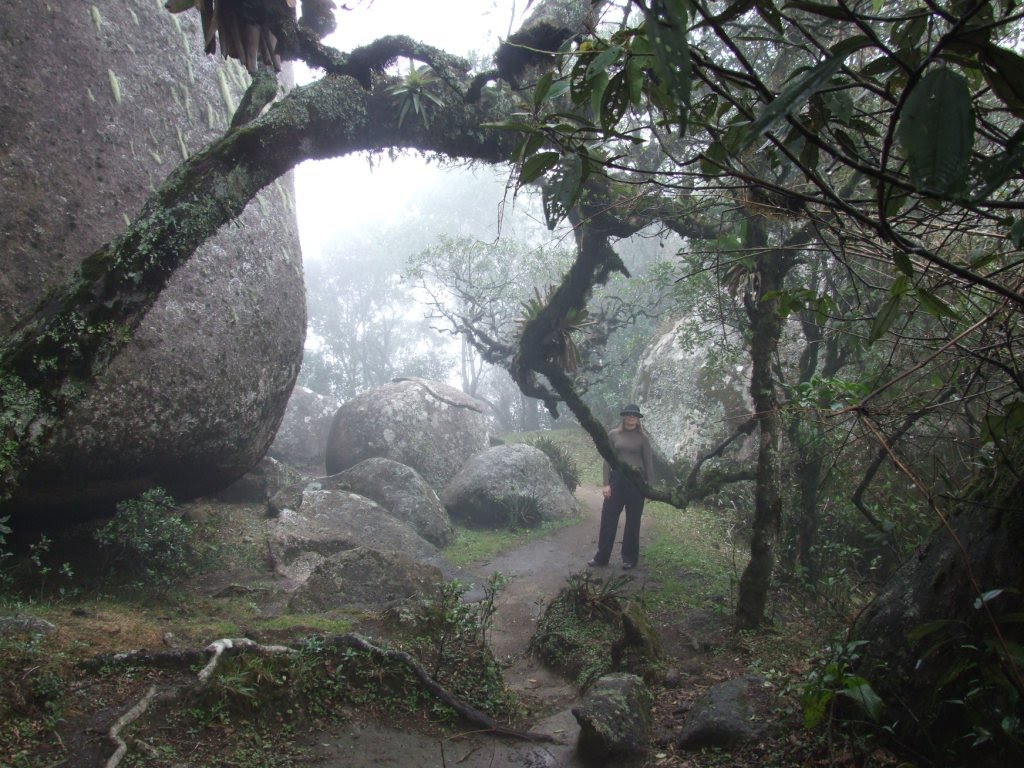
x=847, y=173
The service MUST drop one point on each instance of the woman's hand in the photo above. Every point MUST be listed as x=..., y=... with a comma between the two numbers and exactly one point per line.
x=607, y=491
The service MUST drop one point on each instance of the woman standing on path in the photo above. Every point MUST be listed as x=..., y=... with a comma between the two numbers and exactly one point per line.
x=630, y=443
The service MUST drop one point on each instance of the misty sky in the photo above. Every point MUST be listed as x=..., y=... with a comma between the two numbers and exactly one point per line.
x=335, y=196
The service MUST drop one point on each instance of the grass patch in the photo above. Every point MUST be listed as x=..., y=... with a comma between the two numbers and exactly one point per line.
x=692, y=556
x=472, y=546
x=313, y=622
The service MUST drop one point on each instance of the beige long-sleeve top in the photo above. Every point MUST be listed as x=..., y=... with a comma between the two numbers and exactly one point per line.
x=633, y=448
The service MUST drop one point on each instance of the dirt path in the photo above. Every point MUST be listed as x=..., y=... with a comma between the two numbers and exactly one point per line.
x=535, y=572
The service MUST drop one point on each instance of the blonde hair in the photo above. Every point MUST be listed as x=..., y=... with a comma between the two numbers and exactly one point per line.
x=639, y=424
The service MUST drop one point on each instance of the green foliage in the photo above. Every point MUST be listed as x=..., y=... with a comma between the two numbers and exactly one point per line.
x=975, y=707
x=449, y=637
x=937, y=132
x=832, y=683
x=5, y=554
x=561, y=460
x=591, y=629
x=477, y=545
x=416, y=93
x=559, y=344
x=33, y=691
x=148, y=541
x=19, y=405
x=694, y=557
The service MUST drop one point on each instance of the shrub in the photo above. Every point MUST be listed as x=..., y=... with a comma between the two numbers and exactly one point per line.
x=561, y=460
x=148, y=541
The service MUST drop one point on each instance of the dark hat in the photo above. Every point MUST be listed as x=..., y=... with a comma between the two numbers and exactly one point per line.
x=631, y=410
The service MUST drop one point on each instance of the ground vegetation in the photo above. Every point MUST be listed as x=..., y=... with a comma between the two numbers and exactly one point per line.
x=880, y=138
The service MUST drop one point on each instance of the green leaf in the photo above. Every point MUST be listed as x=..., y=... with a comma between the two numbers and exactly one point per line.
x=766, y=10
x=543, y=88
x=599, y=85
x=885, y=318
x=512, y=125
x=665, y=26
x=903, y=263
x=615, y=101
x=563, y=189
x=599, y=64
x=635, y=80
x=922, y=631
x=936, y=130
x=879, y=66
x=933, y=305
x=829, y=11
x=536, y=166
x=1016, y=233
x=792, y=98
x=865, y=697
x=1004, y=72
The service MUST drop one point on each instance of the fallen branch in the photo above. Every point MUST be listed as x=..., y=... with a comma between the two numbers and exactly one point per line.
x=466, y=711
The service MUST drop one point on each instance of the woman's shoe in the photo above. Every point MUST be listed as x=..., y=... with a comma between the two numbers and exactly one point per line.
x=626, y=566
x=595, y=563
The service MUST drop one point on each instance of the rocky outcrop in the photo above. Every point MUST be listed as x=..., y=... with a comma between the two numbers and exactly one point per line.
x=395, y=487
x=328, y=522
x=262, y=483
x=106, y=97
x=508, y=485
x=615, y=719
x=722, y=717
x=691, y=397
x=301, y=440
x=403, y=493
x=427, y=425
x=364, y=577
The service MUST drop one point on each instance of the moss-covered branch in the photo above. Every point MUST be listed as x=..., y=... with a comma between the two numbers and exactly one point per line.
x=81, y=324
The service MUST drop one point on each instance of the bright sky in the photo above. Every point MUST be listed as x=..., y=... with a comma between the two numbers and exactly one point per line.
x=336, y=195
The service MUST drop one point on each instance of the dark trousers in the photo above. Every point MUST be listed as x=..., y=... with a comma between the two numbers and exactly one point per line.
x=624, y=496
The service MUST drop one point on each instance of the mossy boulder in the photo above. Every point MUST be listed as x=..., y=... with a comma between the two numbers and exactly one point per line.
x=106, y=99
x=592, y=629
x=615, y=719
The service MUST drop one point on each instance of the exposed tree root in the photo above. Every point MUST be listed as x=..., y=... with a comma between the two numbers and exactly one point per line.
x=219, y=649
x=127, y=718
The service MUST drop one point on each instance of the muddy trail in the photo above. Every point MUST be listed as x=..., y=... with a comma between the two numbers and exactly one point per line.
x=535, y=572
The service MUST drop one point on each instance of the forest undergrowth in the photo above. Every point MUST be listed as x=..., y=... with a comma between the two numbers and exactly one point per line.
x=63, y=687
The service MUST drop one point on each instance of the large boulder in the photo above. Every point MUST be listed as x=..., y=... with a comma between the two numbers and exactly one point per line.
x=106, y=98
x=615, y=719
x=722, y=718
x=328, y=522
x=364, y=577
x=508, y=485
x=691, y=395
x=301, y=440
x=395, y=487
x=404, y=493
x=427, y=425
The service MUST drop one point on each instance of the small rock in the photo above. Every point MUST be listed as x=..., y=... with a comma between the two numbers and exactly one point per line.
x=25, y=625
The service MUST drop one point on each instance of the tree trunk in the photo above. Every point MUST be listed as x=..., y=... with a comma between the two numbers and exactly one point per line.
x=765, y=330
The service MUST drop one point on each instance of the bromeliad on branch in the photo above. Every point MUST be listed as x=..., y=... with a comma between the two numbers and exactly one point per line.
x=558, y=343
